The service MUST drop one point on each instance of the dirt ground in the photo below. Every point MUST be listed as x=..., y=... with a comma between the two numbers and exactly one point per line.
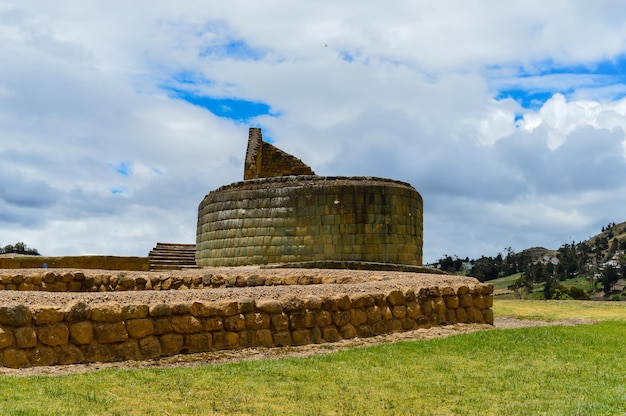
x=253, y=354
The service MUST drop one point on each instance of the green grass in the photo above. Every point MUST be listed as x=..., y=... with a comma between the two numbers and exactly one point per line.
x=502, y=283
x=560, y=370
x=556, y=310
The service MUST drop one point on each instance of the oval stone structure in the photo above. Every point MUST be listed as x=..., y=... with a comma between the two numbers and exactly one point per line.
x=310, y=218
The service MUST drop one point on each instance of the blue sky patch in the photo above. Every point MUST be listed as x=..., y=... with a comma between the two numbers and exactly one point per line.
x=123, y=168
x=527, y=99
x=234, y=49
x=347, y=56
x=117, y=191
x=535, y=84
x=235, y=109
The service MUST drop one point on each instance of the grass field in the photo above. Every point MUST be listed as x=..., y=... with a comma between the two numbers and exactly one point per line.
x=560, y=370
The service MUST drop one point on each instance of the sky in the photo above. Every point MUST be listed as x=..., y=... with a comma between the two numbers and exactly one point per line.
x=118, y=117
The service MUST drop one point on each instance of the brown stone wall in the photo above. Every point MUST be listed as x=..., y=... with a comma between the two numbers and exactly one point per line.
x=264, y=160
x=82, y=333
x=76, y=262
x=310, y=218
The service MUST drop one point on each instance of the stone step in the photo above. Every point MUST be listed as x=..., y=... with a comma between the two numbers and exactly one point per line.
x=172, y=256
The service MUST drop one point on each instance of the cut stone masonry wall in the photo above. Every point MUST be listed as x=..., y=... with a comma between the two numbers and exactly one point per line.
x=310, y=218
x=82, y=333
x=264, y=160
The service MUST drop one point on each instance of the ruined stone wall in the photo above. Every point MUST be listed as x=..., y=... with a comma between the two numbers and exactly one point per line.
x=310, y=218
x=76, y=262
x=83, y=333
x=264, y=160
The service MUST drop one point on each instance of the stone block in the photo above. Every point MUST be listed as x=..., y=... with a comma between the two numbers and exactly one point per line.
x=347, y=331
x=81, y=333
x=171, y=343
x=69, y=354
x=150, y=347
x=364, y=331
x=139, y=328
x=106, y=313
x=197, y=342
x=6, y=338
x=269, y=306
x=357, y=317
x=301, y=337
x=161, y=309
x=18, y=315
x=330, y=334
x=263, y=338
x=15, y=358
x=280, y=321
x=466, y=300
x=47, y=316
x=228, y=308
x=257, y=320
x=235, y=323
x=186, y=324
x=135, y=311
x=396, y=297
x=25, y=337
x=53, y=334
x=109, y=332
x=41, y=356
x=127, y=350
x=413, y=310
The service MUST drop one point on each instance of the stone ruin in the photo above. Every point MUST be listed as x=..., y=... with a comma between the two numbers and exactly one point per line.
x=283, y=213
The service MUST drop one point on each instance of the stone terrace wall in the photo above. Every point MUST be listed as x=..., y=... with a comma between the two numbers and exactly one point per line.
x=83, y=333
x=310, y=218
x=76, y=262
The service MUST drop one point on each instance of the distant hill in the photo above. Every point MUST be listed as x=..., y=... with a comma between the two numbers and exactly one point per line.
x=536, y=253
x=600, y=244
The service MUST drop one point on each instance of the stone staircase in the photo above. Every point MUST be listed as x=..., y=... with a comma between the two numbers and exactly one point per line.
x=170, y=256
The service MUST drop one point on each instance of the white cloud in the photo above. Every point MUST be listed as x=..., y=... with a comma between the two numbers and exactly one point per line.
x=83, y=87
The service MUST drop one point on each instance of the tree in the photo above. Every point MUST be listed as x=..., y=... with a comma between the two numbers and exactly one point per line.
x=19, y=248
x=610, y=276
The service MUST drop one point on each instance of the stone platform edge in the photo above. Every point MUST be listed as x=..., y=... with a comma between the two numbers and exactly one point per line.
x=80, y=333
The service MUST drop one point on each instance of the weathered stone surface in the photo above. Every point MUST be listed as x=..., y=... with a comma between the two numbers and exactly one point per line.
x=396, y=297
x=41, y=355
x=213, y=324
x=81, y=333
x=139, y=328
x=47, y=316
x=204, y=309
x=53, y=334
x=269, y=306
x=6, y=337
x=160, y=309
x=18, y=315
x=257, y=320
x=301, y=337
x=25, y=337
x=280, y=322
x=106, y=313
x=234, y=323
x=163, y=325
x=186, y=324
x=135, y=311
x=15, y=358
x=197, y=342
x=171, y=343
x=106, y=333
x=70, y=354
x=150, y=347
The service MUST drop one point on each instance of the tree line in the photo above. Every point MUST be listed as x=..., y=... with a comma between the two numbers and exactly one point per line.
x=601, y=260
x=19, y=248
